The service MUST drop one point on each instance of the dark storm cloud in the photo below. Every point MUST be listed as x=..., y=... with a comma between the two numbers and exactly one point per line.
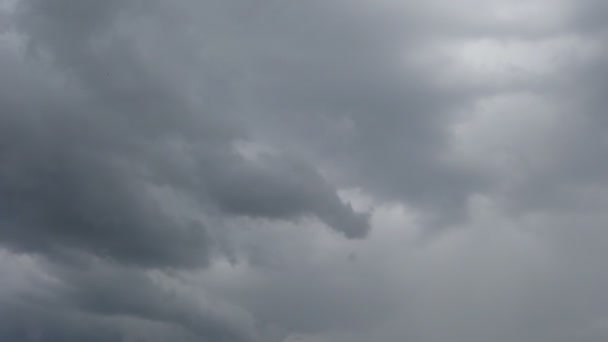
x=282, y=188
x=78, y=166
x=91, y=129
x=59, y=190
x=122, y=172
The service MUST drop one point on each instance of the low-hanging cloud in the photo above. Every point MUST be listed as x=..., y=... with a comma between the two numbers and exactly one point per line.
x=229, y=171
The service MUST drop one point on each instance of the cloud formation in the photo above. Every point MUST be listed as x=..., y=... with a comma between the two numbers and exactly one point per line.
x=302, y=171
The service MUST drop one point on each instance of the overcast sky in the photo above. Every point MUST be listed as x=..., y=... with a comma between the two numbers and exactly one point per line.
x=304, y=170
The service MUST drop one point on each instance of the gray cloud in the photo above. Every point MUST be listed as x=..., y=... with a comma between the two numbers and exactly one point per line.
x=79, y=165
x=97, y=300
x=32, y=323
x=167, y=170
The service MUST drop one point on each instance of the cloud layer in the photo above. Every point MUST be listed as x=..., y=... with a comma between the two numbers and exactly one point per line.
x=303, y=171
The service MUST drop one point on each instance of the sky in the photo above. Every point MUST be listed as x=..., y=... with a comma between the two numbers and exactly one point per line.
x=303, y=171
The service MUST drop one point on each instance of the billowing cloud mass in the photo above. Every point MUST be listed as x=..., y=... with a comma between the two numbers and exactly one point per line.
x=312, y=171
